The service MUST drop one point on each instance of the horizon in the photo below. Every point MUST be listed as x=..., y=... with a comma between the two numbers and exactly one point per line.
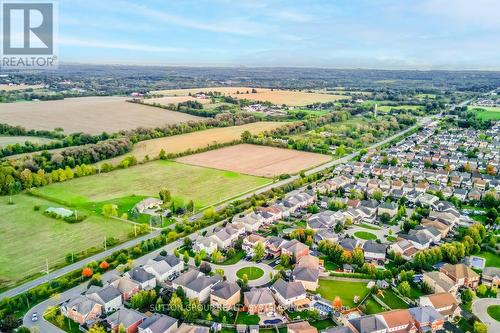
x=386, y=35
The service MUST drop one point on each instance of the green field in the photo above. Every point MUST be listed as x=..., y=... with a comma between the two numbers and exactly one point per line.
x=486, y=112
x=346, y=290
x=253, y=273
x=365, y=235
x=12, y=140
x=126, y=187
x=392, y=300
x=494, y=312
x=28, y=237
x=387, y=108
x=372, y=307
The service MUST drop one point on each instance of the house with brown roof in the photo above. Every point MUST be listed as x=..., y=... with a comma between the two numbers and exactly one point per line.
x=461, y=275
x=301, y=327
x=444, y=303
x=440, y=282
x=81, y=309
x=399, y=320
x=250, y=241
x=295, y=249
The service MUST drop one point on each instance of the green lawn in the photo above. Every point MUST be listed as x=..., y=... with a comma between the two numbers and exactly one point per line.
x=387, y=108
x=369, y=226
x=323, y=324
x=494, y=312
x=126, y=187
x=248, y=319
x=365, y=235
x=492, y=259
x=486, y=113
x=236, y=258
x=392, y=300
x=253, y=273
x=346, y=290
x=28, y=237
x=372, y=307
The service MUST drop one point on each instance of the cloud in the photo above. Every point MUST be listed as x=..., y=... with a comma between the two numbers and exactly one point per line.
x=130, y=46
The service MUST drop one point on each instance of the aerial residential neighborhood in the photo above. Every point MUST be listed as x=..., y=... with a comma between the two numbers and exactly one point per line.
x=249, y=166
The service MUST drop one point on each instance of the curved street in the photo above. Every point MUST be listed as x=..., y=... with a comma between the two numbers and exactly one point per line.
x=480, y=309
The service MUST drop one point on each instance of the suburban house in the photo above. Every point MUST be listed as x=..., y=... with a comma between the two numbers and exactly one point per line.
x=427, y=319
x=158, y=324
x=290, y=295
x=444, y=303
x=439, y=282
x=405, y=248
x=274, y=245
x=389, y=208
x=225, y=295
x=148, y=204
x=461, y=275
x=164, y=267
x=226, y=236
x=187, y=328
x=196, y=284
x=420, y=239
x=109, y=297
x=206, y=244
x=306, y=271
x=126, y=286
x=250, y=241
x=130, y=319
x=295, y=249
x=259, y=300
x=145, y=279
x=81, y=309
x=491, y=276
x=301, y=327
x=374, y=252
x=251, y=221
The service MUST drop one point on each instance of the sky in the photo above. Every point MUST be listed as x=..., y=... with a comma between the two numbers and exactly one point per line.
x=379, y=34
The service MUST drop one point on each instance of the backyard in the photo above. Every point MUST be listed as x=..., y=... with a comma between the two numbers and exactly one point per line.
x=346, y=290
x=392, y=300
x=492, y=259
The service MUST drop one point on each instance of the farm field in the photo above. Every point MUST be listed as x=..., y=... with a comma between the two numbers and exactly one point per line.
x=175, y=100
x=128, y=186
x=257, y=160
x=180, y=143
x=346, y=290
x=486, y=112
x=288, y=97
x=387, y=108
x=92, y=115
x=12, y=140
x=6, y=87
x=28, y=237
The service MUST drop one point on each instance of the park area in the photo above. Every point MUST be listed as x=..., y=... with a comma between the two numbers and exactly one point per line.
x=486, y=112
x=346, y=290
x=257, y=160
x=92, y=115
x=275, y=96
x=126, y=187
x=195, y=140
x=29, y=237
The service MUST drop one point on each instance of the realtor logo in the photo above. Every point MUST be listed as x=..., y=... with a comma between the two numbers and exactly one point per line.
x=28, y=32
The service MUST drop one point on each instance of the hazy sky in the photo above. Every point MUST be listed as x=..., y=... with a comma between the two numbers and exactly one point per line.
x=420, y=34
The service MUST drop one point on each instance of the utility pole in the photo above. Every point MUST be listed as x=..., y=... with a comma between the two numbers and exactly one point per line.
x=47, y=265
x=135, y=230
x=105, y=247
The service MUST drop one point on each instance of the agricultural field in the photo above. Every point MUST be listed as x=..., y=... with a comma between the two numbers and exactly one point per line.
x=256, y=160
x=29, y=237
x=275, y=96
x=92, y=115
x=195, y=140
x=12, y=140
x=486, y=112
x=175, y=100
x=346, y=290
x=15, y=87
x=387, y=108
x=126, y=187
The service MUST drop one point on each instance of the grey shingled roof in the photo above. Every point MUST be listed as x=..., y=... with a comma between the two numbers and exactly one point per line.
x=367, y=324
x=289, y=289
x=158, y=323
x=126, y=317
x=225, y=289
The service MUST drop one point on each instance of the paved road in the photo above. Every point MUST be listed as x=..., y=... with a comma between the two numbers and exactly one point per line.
x=384, y=230
x=480, y=307
x=97, y=257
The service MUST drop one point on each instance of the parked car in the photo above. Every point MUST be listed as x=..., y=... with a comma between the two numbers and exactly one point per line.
x=34, y=317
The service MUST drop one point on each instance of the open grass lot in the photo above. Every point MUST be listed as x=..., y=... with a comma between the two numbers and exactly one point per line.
x=175, y=100
x=253, y=273
x=92, y=115
x=128, y=186
x=288, y=97
x=12, y=140
x=28, y=237
x=195, y=140
x=392, y=300
x=365, y=235
x=486, y=113
x=257, y=160
x=346, y=290
x=492, y=259
x=494, y=312
x=387, y=108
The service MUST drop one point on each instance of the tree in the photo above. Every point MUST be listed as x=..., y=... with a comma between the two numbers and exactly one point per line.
x=385, y=218
x=358, y=257
x=205, y=267
x=96, y=329
x=175, y=305
x=197, y=260
x=259, y=252
x=285, y=260
x=467, y=296
x=190, y=206
x=185, y=258
x=209, y=213
x=104, y=265
x=404, y=288
x=110, y=210
x=121, y=328
x=87, y=272
x=165, y=195
x=479, y=327
x=482, y=290
x=217, y=256
x=377, y=195
x=23, y=329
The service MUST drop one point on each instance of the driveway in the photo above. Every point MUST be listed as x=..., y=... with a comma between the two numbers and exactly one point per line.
x=480, y=307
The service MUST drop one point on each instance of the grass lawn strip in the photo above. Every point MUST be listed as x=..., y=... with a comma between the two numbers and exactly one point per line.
x=365, y=235
x=253, y=273
x=494, y=312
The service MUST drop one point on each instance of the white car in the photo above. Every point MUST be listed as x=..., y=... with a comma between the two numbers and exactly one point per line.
x=34, y=317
